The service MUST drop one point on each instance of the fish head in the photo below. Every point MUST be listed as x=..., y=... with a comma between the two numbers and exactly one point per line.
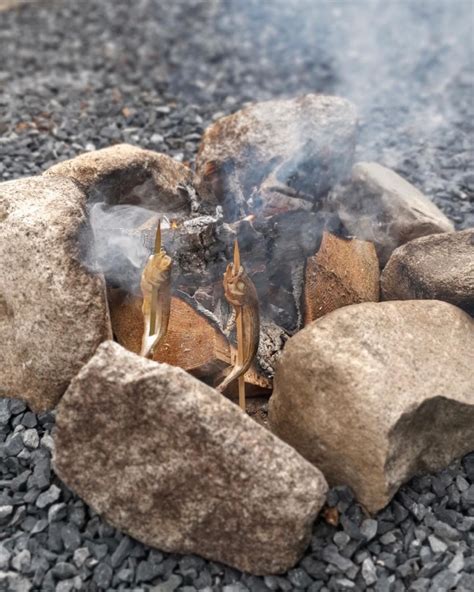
x=158, y=268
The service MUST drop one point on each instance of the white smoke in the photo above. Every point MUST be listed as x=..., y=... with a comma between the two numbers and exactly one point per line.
x=117, y=248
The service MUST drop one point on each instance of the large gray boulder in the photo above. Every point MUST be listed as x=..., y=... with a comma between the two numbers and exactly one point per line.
x=277, y=155
x=375, y=393
x=178, y=466
x=380, y=206
x=126, y=174
x=53, y=312
x=439, y=266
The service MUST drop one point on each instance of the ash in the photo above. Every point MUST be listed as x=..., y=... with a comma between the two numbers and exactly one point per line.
x=83, y=75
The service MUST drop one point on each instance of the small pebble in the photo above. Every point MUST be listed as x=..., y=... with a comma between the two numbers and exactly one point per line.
x=5, y=512
x=4, y=558
x=31, y=438
x=173, y=582
x=341, y=539
x=103, y=575
x=48, y=497
x=80, y=556
x=369, y=572
x=437, y=546
x=369, y=528
x=5, y=412
x=21, y=561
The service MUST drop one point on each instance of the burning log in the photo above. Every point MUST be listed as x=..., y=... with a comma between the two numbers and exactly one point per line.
x=193, y=341
x=343, y=271
x=156, y=286
x=240, y=292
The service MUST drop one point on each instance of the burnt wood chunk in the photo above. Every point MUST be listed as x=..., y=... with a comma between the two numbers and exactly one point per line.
x=343, y=271
x=193, y=341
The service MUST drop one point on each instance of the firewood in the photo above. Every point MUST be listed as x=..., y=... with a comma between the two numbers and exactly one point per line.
x=343, y=271
x=256, y=383
x=193, y=342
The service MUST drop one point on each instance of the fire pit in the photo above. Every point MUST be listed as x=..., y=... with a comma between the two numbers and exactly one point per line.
x=250, y=278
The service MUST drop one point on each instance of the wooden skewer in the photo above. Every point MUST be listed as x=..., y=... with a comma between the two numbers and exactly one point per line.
x=158, y=237
x=154, y=290
x=240, y=332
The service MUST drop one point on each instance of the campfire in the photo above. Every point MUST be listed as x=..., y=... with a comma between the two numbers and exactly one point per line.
x=253, y=278
x=239, y=291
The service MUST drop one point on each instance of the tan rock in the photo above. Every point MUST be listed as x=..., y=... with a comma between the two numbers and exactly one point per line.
x=439, y=266
x=343, y=271
x=375, y=393
x=176, y=465
x=276, y=155
x=380, y=206
x=125, y=174
x=53, y=312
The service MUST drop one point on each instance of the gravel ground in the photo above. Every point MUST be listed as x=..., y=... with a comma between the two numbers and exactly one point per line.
x=78, y=76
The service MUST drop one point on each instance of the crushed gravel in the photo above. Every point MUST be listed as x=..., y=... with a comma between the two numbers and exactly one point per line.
x=78, y=76
x=50, y=540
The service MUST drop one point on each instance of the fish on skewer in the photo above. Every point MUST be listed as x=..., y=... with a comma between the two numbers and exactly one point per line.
x=240, y=292
x=156, y=289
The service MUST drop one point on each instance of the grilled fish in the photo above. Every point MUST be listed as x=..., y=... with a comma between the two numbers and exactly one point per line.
x=240, y=292
x=156, y=288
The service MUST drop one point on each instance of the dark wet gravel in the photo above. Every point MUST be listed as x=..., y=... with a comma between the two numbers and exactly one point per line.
x=78, y=76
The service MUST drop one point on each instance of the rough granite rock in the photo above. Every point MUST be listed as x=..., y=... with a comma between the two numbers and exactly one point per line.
x=375, y=393
x=176, y=465
x=126, y=174
x=439, y=266
x=276, y=155
x=53, y=312
x=342, y=272
x=380, y=206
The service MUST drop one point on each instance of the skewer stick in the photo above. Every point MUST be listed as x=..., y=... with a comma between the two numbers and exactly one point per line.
x=240, y=332
x=154, y=290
